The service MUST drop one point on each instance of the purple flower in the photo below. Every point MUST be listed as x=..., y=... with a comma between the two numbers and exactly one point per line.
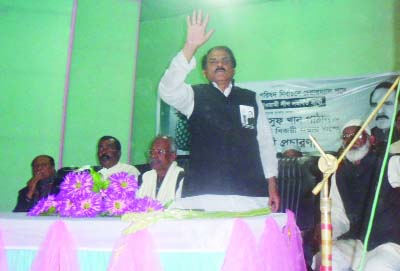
x=89, y=205
x=117, y=205
x=146, y=204
x=122, y=183
x=65, y=207
x=77, y=184
x=45, y=205
x=103, y=192
x=80, y=197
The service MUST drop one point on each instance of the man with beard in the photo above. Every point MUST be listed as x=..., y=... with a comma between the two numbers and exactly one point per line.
x=42, y=183
x=352, y=191
x=164, y=181
x=382, y=120
x=228, y=155
x=109, y=153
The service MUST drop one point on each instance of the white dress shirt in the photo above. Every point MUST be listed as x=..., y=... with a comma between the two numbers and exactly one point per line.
x=119, y=167
x=175, y=92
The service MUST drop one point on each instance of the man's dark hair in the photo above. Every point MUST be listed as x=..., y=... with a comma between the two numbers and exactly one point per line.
x=107, y=137
x=44, y=155
x=384, y=84
x=222, y=47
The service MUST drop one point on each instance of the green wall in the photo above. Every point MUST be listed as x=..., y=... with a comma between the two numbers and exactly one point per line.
x=34, y=53
x=34, y=43
x=271, y=39
x=102, y=78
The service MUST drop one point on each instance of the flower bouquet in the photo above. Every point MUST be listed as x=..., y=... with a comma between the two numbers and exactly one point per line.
x=86, y=194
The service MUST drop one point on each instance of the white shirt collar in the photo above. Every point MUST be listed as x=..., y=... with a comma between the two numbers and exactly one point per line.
x=227, y=91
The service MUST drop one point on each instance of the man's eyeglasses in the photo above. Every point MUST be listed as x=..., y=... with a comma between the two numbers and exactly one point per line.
x=39, y=165
x=224, y=61
x=157, y=152
x=351, y=135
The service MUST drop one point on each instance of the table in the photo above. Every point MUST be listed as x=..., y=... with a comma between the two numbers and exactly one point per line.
x=198, y=243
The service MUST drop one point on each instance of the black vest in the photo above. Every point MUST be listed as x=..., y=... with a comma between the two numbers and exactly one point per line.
x=224, y=154
x=357, y=186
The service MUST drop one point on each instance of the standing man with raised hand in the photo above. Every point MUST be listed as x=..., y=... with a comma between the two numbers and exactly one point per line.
x=229, y=155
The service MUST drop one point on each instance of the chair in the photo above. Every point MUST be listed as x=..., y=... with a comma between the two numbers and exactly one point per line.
x=296, y=178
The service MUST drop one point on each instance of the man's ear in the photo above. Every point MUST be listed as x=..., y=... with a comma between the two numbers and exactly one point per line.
x=372, y=140
x=173, y=156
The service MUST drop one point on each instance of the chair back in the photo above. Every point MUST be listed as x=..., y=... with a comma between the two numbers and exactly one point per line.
x=296, y=178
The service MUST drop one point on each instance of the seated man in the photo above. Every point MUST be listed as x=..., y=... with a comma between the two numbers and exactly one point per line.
x=292, y=151
x=42, y=183
x=109, y=153
x=352, y=191
x=164, y=181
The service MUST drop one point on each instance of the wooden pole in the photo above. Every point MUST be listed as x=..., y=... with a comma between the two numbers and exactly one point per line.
x=326, y=230
x=318, y=187
x=328, y=165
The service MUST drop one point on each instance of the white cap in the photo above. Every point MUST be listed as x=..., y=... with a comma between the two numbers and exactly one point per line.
x=356, y=122
x=395, y=147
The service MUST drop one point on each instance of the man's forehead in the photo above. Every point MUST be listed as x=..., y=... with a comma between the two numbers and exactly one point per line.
x=41, y=159
x=161, y=143
x=108, y=142
x=351, y=129
x=380, y=92
x=218, y=53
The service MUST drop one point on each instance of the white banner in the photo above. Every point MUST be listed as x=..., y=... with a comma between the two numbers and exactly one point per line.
x=299, y=108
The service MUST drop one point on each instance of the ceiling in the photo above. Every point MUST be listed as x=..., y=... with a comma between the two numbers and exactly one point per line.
x=159, y=9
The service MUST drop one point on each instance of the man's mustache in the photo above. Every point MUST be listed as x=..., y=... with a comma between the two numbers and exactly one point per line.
x=220, y=69
x=105, y=157
x=382, y=117
x=154, y=162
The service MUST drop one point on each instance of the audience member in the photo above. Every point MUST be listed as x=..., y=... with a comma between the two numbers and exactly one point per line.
x=164, y=181
x=109, y=153
x=42, y=183
x=292, y=152
x=352, y=192
x=297, y=173
x=232, y=150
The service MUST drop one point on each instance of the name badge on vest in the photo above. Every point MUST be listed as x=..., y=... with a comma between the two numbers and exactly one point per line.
x=247, y=116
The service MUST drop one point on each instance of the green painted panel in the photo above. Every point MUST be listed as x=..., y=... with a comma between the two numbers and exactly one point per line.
x=101, y=91
x=34, y=48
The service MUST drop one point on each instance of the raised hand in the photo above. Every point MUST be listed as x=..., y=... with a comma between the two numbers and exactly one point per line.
x=197, y=33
